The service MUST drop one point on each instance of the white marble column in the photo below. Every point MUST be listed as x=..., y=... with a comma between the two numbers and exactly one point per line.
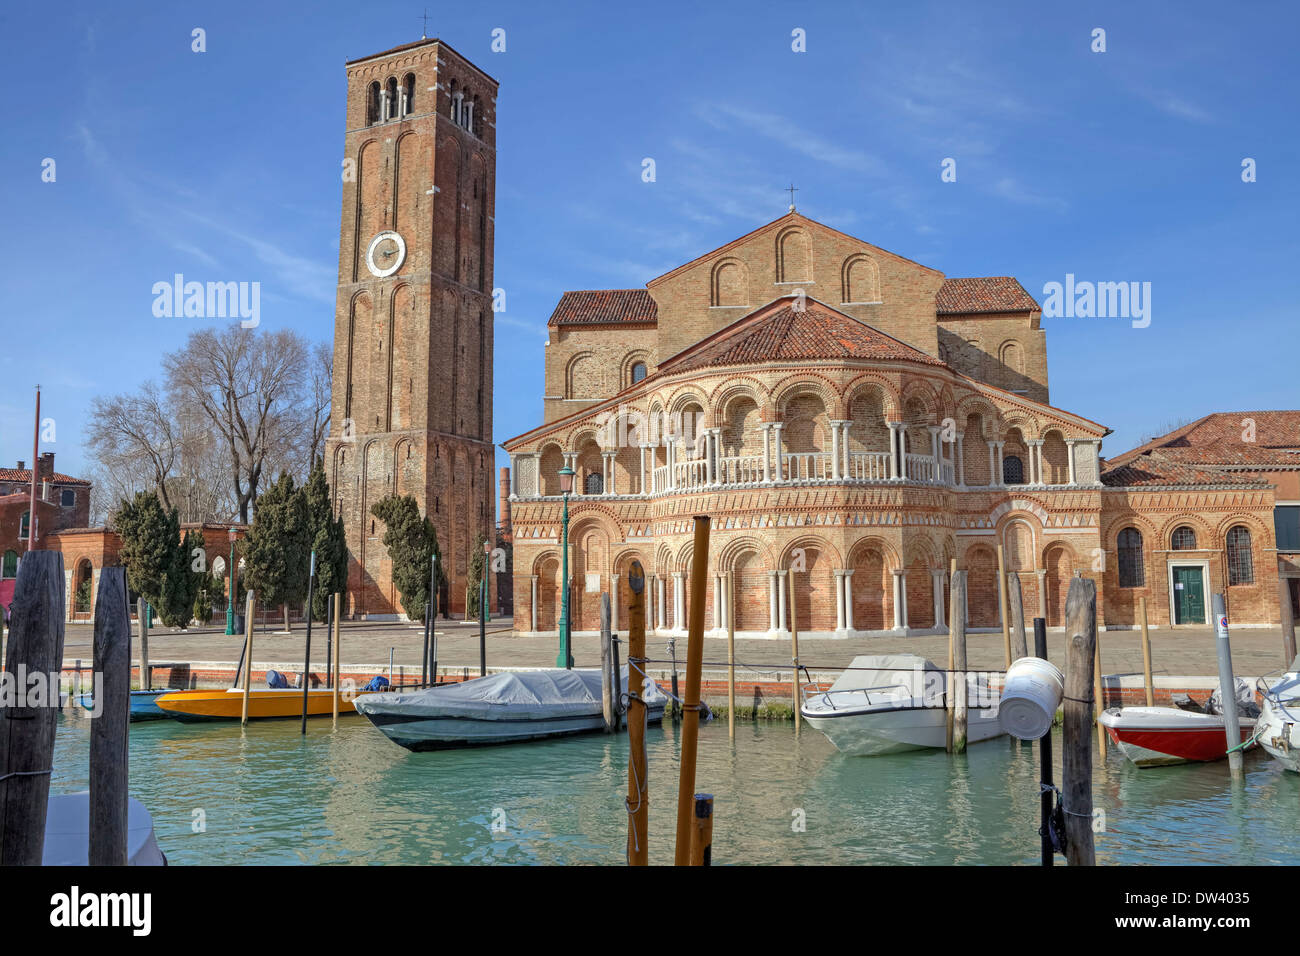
x=1096, y=460
x=717, y=603
x=767, y=454
x=1001, y=470
x=848, y=600
x=839, y=601
x=937, y=575
x=1041, y=574
x=960, y=459
x=993, y=473
x=836, y=473
x=662, y=607
x=532, y=606
x=679, y=601
x=934, y=452
x=780, y=601
x=772, y=585
x=711, y=455
x=896, y=470
x=900, y=598
x=779, y=472
x=1069, y=454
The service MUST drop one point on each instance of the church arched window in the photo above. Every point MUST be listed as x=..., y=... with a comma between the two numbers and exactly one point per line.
x=638, y=372
x=1131, y=572
x=390, y=101
x=1013, y=470
x=1241, y=569
x=372, y=104
x=1184, y=539
x=408, y=94
x=594, y=484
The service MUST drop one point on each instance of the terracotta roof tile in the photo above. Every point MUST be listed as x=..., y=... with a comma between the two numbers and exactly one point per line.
x=1220, y=439
x=1153, y=471
x=605, y=307
x=983, y=294
x=779, y=332
x=25, y=476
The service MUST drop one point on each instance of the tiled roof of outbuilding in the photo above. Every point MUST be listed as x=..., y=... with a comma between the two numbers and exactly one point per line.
x=605, y=307
x=983, y=294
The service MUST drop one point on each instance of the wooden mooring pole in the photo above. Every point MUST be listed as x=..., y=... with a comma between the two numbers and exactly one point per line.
x=334, y=665
x=306, y=654
x=1227, y=685
x=607, y=704
x=731, y=654
x=1080, y=658
x=1003, y=608
x=109, y=766
x=637, y=789
x=35, y=657
x=249, y=607
x=1048, y=853
x=1147, y=680
x=1019, y=645
x=146, y=675
x=1288, y=620
x=794, y=654
x=702, y=831
x=948, y=691
x=691, y=699
x=957, y=675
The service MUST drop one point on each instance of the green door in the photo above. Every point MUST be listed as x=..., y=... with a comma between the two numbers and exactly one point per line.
x=1189, y=596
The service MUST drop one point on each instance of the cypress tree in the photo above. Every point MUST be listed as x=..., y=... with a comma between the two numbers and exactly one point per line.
x=277, y=549
x=328, y=541
x=147, y=544
x=412, y=541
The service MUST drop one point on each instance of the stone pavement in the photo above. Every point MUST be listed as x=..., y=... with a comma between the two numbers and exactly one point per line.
x=1255, y=651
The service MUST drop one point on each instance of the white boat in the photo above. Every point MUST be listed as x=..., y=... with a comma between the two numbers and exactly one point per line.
x=497, y=709
x=67, y=832
x=1278, y=719
x=892, y=703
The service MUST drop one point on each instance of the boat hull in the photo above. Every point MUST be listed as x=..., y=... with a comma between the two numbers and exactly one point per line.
x=263, y=704
x=1165, y=736
x=876, y=732
x=451, y=733
x=67, y=832
x=144, y=703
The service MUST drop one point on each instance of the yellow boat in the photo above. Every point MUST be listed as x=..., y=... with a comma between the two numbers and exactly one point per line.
x=263, y=703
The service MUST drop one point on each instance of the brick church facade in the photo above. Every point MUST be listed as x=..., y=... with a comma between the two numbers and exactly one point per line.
x=412, y=389
x=860, y=421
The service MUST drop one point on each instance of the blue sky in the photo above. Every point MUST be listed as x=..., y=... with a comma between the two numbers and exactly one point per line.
x=1115, y=166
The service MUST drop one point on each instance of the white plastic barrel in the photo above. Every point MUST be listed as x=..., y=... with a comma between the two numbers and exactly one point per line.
x=1032, y=692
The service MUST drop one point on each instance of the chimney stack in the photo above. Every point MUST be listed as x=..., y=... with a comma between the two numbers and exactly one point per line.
x=45, y=468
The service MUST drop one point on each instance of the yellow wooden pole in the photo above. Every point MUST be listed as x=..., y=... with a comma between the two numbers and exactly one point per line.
x=691, y=695
x=248, y=658
x=638, y=790
x=1146, y=654
x=338, y=611
x=731, y=654
x=794, y=653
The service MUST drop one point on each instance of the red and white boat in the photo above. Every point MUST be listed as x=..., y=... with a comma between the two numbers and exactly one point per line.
x=1160, y=736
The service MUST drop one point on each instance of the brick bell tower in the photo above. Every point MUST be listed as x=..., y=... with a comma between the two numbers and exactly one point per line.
x=412, y=391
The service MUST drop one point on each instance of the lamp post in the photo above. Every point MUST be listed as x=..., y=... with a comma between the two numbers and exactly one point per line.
x=230, y=605
x=565, y=659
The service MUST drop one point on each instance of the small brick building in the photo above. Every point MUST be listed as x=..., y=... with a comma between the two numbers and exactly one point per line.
x=61, y=502
x=860, y=421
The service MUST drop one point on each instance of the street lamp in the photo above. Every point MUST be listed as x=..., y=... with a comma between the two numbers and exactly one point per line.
x=230, y=605
x=565, y=658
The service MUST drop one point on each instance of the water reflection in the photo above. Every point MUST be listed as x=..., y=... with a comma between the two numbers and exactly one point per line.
x=220, y=794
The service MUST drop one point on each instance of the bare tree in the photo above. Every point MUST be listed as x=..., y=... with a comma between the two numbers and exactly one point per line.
x=320, y=378
x=136, y=440
x=247, y=384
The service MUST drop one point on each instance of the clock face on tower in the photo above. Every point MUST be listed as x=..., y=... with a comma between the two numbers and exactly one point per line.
x=386, y=253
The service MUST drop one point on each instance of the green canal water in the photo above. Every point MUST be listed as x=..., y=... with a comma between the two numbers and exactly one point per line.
x=270, y=795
